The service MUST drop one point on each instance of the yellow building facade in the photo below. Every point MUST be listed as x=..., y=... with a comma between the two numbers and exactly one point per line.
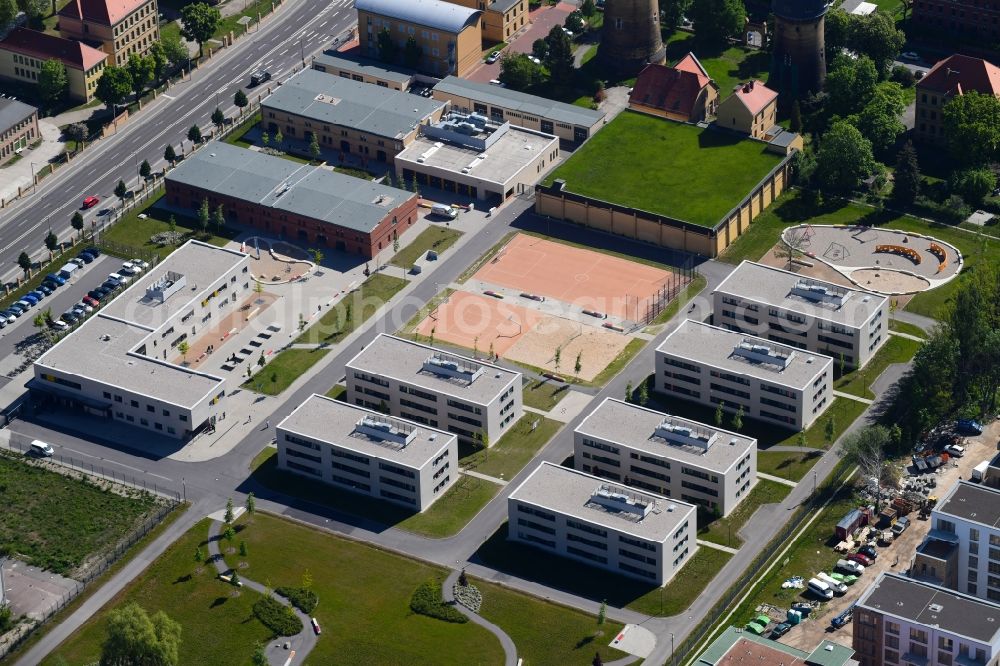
x=23, y=51
x=117, y=28
x=501, y=18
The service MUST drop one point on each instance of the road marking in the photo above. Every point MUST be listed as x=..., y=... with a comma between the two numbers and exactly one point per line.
x=167, y=96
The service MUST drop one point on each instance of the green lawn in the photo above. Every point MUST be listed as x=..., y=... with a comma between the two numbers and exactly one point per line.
x=449, y=514
x=724, y=530
x=544, y=632
x=283, y=369
x=515, y=449
x=791, y=466
x=597, y=584
x=231, y=23
x=635, y=161
x=432, y=238
x=728, y=68
x=353, y=310
x=543, y=394
x=907, y=328
x=683, y=298
x=337, y=391
x=56, y=522
x=895, y=350
x=351, y=171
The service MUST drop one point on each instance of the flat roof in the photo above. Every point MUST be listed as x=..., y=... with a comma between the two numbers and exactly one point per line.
x=773, y=286
x=571, y=493
x=332, y=99
x=431, y=13
x=505, y=157
x=735, y=646
x=12, y=112
x=405, y=360
x=364, y=66
x=335, y=423
x=635, y=427
x=486, y=93
x=274, y=182
x=102, y=348
x=931, y=605
x=716, y=347
x=973, y=502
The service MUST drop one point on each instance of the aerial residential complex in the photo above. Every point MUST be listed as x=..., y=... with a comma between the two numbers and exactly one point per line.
x=770, y=381
x=364, y=69
x=23, y=51
x=736, y=646
x=367, y=452
x=802, y=312
x=373, y=122
x=954, y=76
x=421, y=383
x=299, y=202
x=18, y=127
x=668, y=455
x=117, y=27
x=899, y=620
x=123, y=362
x=586, y=518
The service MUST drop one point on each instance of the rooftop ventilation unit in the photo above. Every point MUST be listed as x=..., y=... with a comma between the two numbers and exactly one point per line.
x=758, y=353
x=935, y=608
x=453, y=367
x=165, y=286
x=684, y=435
x=820, y=293
x=386, y=429
x=620, y=501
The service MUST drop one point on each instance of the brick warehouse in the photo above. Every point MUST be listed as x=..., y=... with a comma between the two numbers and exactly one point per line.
x=295, y=202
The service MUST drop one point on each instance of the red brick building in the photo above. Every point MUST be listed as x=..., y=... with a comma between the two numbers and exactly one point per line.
x=975, y=18
x=955, y=75
x=303, y=204
x=684, y=92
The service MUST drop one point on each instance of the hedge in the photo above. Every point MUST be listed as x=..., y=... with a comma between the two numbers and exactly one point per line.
x=426, y=600
x=303, y=599
x=277, y=617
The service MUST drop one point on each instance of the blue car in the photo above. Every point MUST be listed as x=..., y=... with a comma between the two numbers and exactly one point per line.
x=969, y=427
x=37, y=293
x=31, y=299
x=55, y=278
x=45, y=289
x=86, y=257
x=16, y=309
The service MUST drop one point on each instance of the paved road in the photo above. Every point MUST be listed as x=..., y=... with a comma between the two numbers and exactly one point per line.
x=299, y=27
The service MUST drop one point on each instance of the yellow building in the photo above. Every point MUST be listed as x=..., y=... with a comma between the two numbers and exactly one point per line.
x=449, y=36
x=117, y=27
x=501, y=18
x=752, y=109
x=23, y=51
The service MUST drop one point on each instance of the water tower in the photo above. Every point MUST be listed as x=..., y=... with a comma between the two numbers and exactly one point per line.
x=798, y=63
x=630, y=38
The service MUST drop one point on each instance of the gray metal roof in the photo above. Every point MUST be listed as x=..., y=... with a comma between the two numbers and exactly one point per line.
x=331, y=59
x=315, y=192
x=485, y=93
x=502, y=5
x=12, y=112
x=973, y=502
x=352, y=104
x=431, y=13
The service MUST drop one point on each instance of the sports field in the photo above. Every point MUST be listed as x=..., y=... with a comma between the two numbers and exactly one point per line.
x=677, y=170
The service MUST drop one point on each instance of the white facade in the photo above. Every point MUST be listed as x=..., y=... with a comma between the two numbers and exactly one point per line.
x=420, y=383
x=667, y=455
x=969, y=516
x=366, y=452
x=771, y=382
x=584, y=518
x=802, y=312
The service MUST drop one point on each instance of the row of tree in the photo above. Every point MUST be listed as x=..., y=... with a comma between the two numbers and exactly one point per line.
x=554, y=54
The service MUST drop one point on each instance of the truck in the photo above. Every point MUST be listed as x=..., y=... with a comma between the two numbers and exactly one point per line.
x=979, y=471
x=67, y=271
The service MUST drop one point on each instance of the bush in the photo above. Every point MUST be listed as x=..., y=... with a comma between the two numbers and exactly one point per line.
x=903, y=76
x=303, y=599
x=426, y=600
x=277, y=617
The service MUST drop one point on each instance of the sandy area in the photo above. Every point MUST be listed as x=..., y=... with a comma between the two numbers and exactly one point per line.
x=597, y=347
x=287, y=262
x=888, y=281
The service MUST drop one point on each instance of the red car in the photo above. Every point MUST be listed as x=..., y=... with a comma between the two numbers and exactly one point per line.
x=91, y=301
x=861, y=558
x=90, y=202
x=316, y=628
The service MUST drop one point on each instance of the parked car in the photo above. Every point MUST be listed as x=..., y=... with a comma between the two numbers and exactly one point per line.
x=25, y=303
x=16, y=309
x=78, y=261
x=909, y=55
x=70, y=318
x=30, y=299
x=110, y=286
x=79, y=311
x=103, y=291
x=850, y=566
x=969, y=427
x=315, y=626
x=259, y=77
x=38, y=293
x=139, y=263
x=87, y=307
x=91, y=301
x=45, y=289
x=861, y=559
x=956, y=450
x=127, y=269
x=493, y=57
x=843, y=618
x=118, y=279
x=90, y=202
x=58, y=324
x=93, y=251
x=779, y=630
x=8, y=317
x=869, y=551
x=85, y=257
x=901, y=524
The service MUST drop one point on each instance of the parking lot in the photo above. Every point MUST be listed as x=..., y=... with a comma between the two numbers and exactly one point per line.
x=540, y=23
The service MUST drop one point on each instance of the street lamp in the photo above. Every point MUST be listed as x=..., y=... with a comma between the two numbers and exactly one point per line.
x=671, y=647
x=34, y=180
x=814, y=482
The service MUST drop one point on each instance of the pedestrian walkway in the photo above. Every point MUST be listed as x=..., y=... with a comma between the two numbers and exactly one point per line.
x=716, y=546
x=448, y=594
x=908, y=336
x=484, y=477
x=851, y=396
x=776, y=479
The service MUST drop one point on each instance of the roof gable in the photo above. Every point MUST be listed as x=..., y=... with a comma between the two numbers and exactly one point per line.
x=667, y=88
x=105, y=12
x=755, y=96
x=958, y=74
x=690, y=63
x=76, y=55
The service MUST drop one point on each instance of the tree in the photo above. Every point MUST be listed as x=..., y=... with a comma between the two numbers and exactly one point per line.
x=519, y=72
x=158, y=58
x=169, y=155
x=121, y=189
x=52, y=82
x=791, y=247
x=578, y=365
x=795, y=121
x=575, y=22
x=259, y=656
x=133, y=637
x=314, y=148
x=718, y=415
x=540, y=48
x=174, y=49
x=557, y=357
x=228, y=518
x=265, y=138
x=34, y=9
x=628, y=391
x=240, y=99
x=8, y=12
x=387, y=48
x=830, y=429
x=307, y=580
x=219, y=219
x=844, y=158
x=203, y=216
x=279, y=138
x=229, y=533
x=199, y=556
x=250, y=504
x=412, y=53
x=849, y=84
x=77, y=132
x=463, y=580
x=738, y=419
x=672, y=12
x=24, y=261
x=868, y=448
x=317, y=256
x=643, y=392
x=113, y=87
x=243, y=549
x=51, y=241
x=141, y=69
x=77, y=221
x=715, y=21
x=877, y=37
x=588, y=8
x=145, y=170
x=602, y=613
x=974, y=184
x=194, y=134
x=971, y=126
x=559, y=58
x=234, y=579
x=906, y=178
x=184, y=347
x=837, y=31
x=218, y=117
x=880, y=121
x=199, y=22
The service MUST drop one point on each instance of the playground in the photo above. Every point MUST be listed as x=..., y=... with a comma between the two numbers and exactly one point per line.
x=276, y=262
x=885, y=261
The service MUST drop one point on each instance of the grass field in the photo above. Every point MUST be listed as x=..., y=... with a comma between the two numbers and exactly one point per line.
x=791, y=466
x=543, y=395
x=724, y=530
x=907, y=328
x=635, y=161
x=431, y=238
x=686, y=294
x=728, y=68
x=449, y=514
x=56, y=522
x=283, y=369
x=895, y=350
x=337, y=391
x=353, y=310
x=515, y=449
x=546, y=633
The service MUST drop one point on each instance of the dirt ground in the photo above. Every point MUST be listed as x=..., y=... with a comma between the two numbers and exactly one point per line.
x=597, y=347
x=287, y=263
x=898, y=556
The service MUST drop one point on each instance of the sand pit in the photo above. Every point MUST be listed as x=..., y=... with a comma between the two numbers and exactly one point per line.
x=597, y=347
x=277, y=262
x=888, y=281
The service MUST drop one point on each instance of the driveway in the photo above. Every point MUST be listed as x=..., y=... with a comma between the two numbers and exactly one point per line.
x=541, y=21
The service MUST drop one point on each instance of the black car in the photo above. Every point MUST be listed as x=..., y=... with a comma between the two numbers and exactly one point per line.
x=86, y=256
x=96, y=294
x=44, y=289
x=869, y=551
x=258, y=78
x=51, y=284
x=69, y=317
x=93, y=251
x=109, y=285
x=780, y=630
x=103, y=291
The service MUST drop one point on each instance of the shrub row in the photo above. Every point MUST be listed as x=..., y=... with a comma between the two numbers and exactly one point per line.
x=303, y=599
x=426, y=600
x=277, y=617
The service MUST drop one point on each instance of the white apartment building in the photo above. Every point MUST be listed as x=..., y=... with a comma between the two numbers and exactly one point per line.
x=420, y=383
x=363, y=451
x=771, y=382
x=667, y=455
x=123, y=362
x=586, y=518
x=802, y=312
x=905, y=622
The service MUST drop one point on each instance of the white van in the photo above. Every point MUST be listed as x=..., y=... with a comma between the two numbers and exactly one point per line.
x=820, y=589
x=41, y=449
x=66, y=272
x=444, y=210
x=835, y=585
